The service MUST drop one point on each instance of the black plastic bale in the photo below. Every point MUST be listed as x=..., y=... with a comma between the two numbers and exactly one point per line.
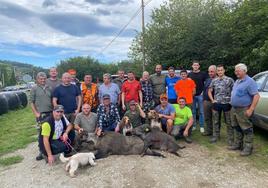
x=13, y=101
x=3, y=105
x=23, y=99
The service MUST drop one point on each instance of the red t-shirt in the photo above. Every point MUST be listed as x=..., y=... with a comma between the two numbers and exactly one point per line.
x=131, y=90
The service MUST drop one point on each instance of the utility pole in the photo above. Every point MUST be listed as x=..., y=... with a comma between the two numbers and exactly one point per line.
x=143, y=32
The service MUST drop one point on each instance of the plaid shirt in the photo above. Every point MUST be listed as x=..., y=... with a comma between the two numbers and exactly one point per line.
x=147, y=90
x=107, y=118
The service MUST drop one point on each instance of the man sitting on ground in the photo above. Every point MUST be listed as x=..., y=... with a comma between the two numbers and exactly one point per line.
x=183, y=121
x=135, y=114
x=86, y=120
x=166, y=113
x=108, y=116
x=56, y=134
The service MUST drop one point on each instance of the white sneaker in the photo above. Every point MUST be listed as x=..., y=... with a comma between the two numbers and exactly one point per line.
x=194, y=128
x=202, y=130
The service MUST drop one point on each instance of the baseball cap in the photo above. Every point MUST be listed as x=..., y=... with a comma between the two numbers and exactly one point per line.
x=163, y=96
x=106, y=96
x=58, y=108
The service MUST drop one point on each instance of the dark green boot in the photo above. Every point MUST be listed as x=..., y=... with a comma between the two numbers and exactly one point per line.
x=238, y=135
x=248, y=142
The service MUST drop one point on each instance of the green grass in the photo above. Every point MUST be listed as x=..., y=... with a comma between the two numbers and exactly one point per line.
x=16, y=130
x=259, y=158
x=7, y=161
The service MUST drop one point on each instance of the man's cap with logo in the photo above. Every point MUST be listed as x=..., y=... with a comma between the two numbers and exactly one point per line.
x=58, y=108
x=106, y=96
x=163, y=96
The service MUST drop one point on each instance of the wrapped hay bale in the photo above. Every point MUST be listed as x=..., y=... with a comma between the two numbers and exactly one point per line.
x=3, y=105
x=13, y=100
x=23, y=99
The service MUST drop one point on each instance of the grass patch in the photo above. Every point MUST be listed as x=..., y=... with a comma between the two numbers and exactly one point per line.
x=16, y=130
x=259, y=158
x=7, y=161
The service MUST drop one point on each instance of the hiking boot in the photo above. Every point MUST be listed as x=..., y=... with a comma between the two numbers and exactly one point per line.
x=246, y=151
x=202, y=130
x=234, y=147
x=206, y=134
x=39, y=157
x=213, y=140
x=188, y=140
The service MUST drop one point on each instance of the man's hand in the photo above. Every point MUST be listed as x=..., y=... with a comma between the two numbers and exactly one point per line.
x=140, y=105
x=50, y=159
x=76, y=112
x=124, y=107
x=249, y=112
x=161, y=115
x=213, y=101
x=80, y=130
x=37, y=115
x=98, y=132
x=185, y=133
x=64, y=137
x=117, y=129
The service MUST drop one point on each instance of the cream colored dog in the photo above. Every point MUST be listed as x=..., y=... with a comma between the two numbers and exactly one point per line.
x=76, y=160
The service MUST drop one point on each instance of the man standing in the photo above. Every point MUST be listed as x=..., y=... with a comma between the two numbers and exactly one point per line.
x=108, y=116
x=244, y=100
x=158, y=83
x=222, y=88
x=207, y=103
x=89, y=91
x=86, y=120
x=53, y=80
x=131, y=90
x=56, y=131
x=147, y=92
x=69, y=96
x=199, y=78
x=171, y=80
x=41, y=101
x=183, y=121
x=166, y=113
x=185, y=88
x=109, y=88
x=120, y=79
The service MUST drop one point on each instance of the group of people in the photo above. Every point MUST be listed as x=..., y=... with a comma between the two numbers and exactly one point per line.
x=63, y=107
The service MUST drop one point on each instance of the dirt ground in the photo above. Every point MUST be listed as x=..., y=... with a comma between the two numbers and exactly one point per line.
x=196, y=168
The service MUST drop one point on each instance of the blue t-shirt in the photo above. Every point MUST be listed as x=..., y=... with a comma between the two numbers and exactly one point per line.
x=243, y=92
x=167, y=111
x=66, y=96
x=170, y=82
x=206, y=87
x=112, y=89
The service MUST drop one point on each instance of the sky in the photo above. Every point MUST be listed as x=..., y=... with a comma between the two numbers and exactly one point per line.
x=43, y=32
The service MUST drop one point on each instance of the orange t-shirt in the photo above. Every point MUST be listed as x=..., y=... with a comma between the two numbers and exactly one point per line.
x=185, y=88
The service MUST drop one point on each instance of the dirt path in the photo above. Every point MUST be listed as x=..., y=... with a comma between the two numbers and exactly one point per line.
x=195, y=169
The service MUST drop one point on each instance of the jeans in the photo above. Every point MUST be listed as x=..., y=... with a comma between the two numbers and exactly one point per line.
x=57, y=146
x=110, y=127
x=198, y=103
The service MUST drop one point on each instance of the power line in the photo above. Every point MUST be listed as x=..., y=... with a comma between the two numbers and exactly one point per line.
x=124, y=27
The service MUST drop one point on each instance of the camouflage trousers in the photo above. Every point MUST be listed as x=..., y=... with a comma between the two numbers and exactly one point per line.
x=208, y=116
x=217, y=125
x=243, y=127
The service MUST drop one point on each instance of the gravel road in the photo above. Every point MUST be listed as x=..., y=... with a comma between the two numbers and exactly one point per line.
x=196, y=168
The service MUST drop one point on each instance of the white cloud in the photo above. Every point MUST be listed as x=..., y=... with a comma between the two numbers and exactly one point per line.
x=35, y=31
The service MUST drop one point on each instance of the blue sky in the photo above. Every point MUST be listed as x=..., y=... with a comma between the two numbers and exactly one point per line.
x=43, y=32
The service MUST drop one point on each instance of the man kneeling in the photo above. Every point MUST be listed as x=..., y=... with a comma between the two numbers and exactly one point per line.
x=56, y=134
x=183, y=121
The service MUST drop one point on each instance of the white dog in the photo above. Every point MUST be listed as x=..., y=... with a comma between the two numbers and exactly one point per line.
x=76, y=160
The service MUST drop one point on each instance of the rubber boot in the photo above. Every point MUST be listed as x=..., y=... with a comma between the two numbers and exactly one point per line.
x=238, y=144
x=216, y=127
x=248, y=142
x=230, y=129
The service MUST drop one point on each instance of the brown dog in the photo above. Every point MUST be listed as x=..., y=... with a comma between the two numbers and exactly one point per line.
x=154, y=119
x=125, y=126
